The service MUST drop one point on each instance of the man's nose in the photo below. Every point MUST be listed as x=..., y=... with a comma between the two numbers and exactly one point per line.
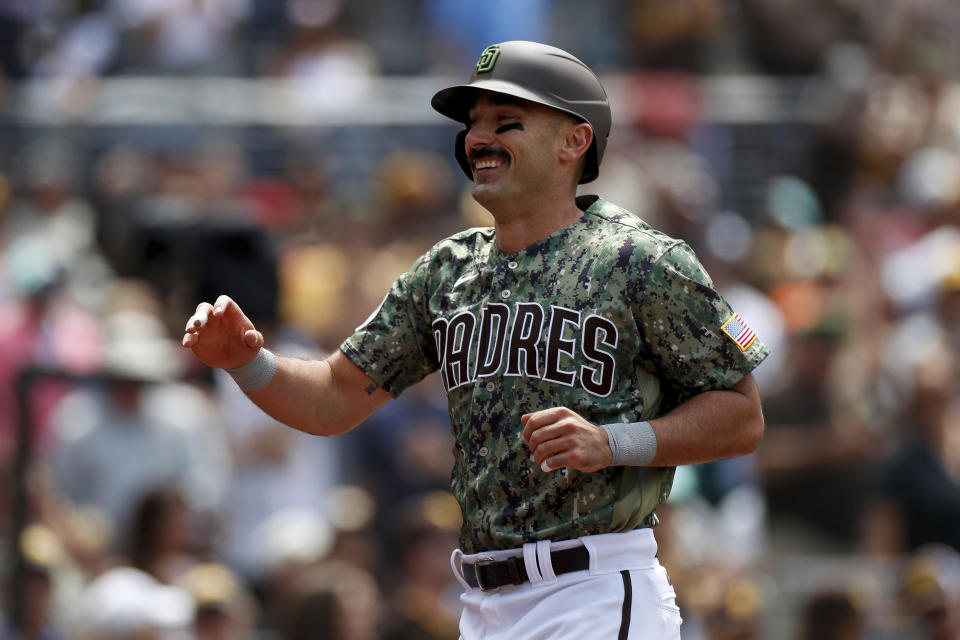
x=477, y=137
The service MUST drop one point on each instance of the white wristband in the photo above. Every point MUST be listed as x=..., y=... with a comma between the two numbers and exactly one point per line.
x=633, y=444
x=257, y=373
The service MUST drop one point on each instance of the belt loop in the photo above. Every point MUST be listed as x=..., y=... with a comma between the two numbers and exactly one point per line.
x=530, y=562
x=457, y=568
x=545, y=563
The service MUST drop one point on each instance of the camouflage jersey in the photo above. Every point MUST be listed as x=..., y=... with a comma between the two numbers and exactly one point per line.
x=607, y=317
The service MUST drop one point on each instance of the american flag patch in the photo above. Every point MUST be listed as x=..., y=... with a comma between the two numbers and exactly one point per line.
x=736, y=327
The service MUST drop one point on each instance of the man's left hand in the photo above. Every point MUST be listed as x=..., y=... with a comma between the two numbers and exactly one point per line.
x=559, y=437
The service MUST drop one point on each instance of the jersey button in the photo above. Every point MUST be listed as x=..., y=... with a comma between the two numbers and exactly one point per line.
x=491, y=386
x=505, y=293
x=512, y=264
x=483, y=452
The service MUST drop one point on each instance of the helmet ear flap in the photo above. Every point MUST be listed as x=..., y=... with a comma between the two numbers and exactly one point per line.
x=592, y=167
x=460, y=152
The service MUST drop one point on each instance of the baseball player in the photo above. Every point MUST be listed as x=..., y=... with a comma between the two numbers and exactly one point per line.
x=584, y=356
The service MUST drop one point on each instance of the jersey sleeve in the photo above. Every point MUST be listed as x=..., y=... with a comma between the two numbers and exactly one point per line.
x=395, y=345
x=691, y=335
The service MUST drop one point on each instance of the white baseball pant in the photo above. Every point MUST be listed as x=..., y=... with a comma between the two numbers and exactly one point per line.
x=625, y=594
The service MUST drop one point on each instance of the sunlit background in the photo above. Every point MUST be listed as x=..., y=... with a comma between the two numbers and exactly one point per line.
x=156, y=153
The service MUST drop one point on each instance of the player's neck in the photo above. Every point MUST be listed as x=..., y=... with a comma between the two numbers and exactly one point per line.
x=518, y=228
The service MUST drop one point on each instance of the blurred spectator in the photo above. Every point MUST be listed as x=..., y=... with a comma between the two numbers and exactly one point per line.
x=39, y=617
x=220, y=165
x=48, y=234
x=16, y=18
x=184, y=404
x=684, y=186
x=86, y=47
x=406, y=447
x=790, y=38
x=192, y=409
x=410, y=198
x=224, y=609
x=395, y=30
x=674, y=35
x=332, y=601
x=716, y=515
x=276, y=469
x=110, y=450
x=37, y=608
x=287, y=544
x=40, y=326
x=896, y=110
x=666, y=105
x=929, y=180
x=125, y=603
x=320, y=306
x=929, y=593
x=326, y=71
x=831, y=615
x=911, y=38
x=312, y=209
x=359, y=537
x=917, y=276
x=916, y=496
x=413, y=193
x=110, y=453
x=424, y=603
x=160, y=541
x=948, y=307
x=51, y=210
x=812, y=462
x=725, y=603
x=183, y=36
x=122, y=175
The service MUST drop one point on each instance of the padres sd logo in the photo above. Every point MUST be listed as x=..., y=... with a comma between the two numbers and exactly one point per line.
x=488, y=58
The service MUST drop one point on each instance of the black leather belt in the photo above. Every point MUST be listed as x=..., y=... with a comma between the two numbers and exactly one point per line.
x=492, y=574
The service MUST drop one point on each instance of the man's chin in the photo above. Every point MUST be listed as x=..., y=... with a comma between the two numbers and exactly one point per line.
x=485, y=194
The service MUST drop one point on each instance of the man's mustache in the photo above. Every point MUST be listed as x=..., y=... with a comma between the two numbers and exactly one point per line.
x=486, y=152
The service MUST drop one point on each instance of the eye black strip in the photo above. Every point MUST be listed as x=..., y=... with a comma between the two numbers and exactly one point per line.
x=510, y=127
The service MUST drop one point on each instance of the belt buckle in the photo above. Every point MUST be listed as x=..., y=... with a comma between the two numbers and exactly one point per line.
x=510, y=567
x=482, y=562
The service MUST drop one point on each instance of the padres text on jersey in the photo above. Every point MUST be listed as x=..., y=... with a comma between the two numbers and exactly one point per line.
x=508, y=340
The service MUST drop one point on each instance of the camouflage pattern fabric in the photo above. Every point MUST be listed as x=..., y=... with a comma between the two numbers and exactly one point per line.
x=607, y=316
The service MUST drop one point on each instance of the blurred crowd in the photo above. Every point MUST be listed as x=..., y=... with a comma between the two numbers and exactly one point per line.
x=77, y=38
x=144, y=497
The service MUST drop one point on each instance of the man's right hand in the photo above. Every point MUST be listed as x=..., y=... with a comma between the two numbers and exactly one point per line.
x=221, y=336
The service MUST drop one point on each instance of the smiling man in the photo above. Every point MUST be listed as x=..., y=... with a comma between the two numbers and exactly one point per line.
x=584, y=355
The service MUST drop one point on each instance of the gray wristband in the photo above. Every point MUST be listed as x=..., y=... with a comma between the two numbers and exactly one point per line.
x=257, y=373
x=633, y=444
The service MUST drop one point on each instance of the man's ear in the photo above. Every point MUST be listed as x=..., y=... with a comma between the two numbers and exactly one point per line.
x=575, y=142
